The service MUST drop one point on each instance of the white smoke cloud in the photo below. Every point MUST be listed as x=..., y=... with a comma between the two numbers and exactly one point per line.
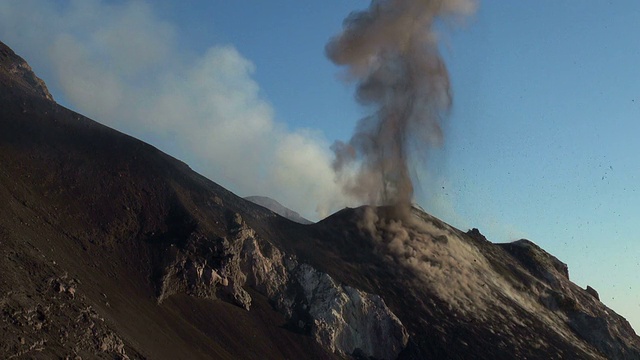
x=123, y=66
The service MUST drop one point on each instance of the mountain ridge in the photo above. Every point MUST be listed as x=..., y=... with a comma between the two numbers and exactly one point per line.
x=111, y=248
x=278, y=208
x=20, y=73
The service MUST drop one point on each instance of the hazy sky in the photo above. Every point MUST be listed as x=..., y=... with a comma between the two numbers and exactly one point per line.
x=542, y=142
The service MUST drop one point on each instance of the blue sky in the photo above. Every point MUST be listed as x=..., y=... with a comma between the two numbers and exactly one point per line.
x=541, y=143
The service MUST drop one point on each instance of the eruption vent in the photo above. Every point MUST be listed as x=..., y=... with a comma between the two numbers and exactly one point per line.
x=391, y=51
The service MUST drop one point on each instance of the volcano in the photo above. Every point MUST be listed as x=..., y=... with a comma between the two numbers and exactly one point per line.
x=110, y=248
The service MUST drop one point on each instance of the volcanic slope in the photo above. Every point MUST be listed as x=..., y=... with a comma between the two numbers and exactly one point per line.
x=110, y=248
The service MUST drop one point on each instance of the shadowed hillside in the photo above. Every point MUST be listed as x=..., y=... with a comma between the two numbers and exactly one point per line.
x=110, y=248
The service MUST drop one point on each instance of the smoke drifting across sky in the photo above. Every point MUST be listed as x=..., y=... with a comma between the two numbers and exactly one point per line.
x=120, y=64
x=391, y=51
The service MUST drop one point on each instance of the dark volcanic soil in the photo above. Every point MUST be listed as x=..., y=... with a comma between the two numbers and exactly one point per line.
x=92, y=222
x=86, y=213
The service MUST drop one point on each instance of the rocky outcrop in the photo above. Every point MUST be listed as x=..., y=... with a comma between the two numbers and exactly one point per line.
x=206, y=268
x=581, y=308
x=607, y=332
x=341, y=318
x=21, y=73
x=54, y=317
x=591, y=291
x=539, y=262
x=347, y=320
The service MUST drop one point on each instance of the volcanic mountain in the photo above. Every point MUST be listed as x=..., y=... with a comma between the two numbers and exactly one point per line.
x=110, y=248
x=278, y=208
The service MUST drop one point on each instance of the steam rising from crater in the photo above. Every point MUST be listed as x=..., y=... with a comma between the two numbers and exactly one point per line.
x=391, y=51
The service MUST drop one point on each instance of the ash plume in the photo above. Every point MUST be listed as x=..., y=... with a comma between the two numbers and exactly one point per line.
x=391, y=51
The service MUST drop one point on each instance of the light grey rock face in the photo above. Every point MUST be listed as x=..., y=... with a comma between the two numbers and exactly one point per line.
x=340, y=318
x=347, y=320
x=263, y=265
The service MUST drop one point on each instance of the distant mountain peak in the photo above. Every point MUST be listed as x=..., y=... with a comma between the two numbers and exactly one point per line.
x=278, y=208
